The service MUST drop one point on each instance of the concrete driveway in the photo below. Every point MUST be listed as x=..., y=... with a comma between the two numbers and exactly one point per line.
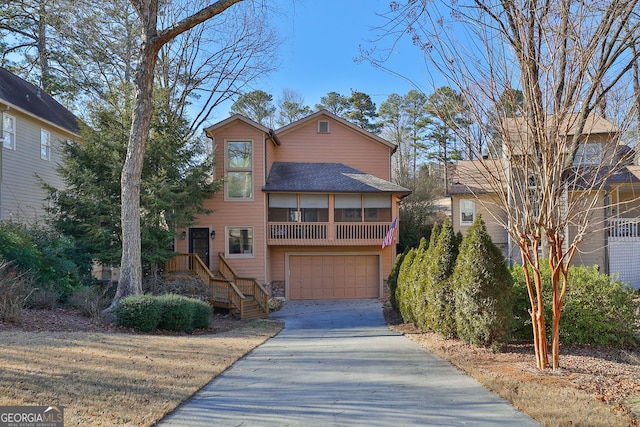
x=336, y=363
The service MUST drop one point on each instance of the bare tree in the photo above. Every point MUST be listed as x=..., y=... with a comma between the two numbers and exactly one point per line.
x=565, y=57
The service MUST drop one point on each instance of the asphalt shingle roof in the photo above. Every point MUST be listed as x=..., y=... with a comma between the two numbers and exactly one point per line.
x=36, y=101
x=326, y=178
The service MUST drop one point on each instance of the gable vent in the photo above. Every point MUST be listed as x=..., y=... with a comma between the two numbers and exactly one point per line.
x=323, y=126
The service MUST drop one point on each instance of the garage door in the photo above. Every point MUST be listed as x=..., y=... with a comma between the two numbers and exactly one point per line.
x=333, y=276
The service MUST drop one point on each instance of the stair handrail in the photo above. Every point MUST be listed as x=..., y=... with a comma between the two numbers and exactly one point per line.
x=200, y=269
x=259, y=292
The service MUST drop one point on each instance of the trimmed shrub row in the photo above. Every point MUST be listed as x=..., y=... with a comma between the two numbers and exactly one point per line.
x=465, y=295
x=169, y=312
x=473, y=295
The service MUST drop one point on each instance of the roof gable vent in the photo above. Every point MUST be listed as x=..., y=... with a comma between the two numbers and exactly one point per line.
x=323, y=126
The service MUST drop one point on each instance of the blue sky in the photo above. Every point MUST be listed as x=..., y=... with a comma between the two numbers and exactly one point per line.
x=321, y=38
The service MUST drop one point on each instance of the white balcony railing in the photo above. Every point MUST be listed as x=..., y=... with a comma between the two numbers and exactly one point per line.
x=624, y=229
x=325, y=233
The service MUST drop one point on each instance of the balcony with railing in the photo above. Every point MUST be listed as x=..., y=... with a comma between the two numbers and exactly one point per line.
x=624, y=229
x=326, y=233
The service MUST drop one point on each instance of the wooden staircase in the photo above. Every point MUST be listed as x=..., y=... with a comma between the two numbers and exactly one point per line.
x=244, y=297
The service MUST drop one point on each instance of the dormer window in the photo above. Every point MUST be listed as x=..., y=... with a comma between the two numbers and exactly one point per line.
x=323, y=126
x=589, y=153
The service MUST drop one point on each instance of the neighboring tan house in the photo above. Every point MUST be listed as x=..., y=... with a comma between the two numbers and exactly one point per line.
x=32, y=127
x=304, y=209
x=613, y=243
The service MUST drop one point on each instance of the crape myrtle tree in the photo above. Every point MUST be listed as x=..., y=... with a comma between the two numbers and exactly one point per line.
x=565, y=57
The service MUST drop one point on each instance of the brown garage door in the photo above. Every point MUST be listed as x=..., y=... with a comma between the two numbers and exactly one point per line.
x=333, y=276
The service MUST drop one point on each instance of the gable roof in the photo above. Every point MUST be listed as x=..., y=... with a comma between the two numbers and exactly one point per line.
x=356, y=128
x=474, y=176
x=594, y=125
x=246, y=120
x=326, y=178
x=24, y=96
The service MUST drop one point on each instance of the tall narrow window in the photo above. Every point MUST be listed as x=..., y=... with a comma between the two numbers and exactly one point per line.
x=467, y=211
x=9, y=131
x=45, y=145
x=239, y=170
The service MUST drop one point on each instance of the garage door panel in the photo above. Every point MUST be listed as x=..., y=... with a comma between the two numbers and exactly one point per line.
x=333, y=276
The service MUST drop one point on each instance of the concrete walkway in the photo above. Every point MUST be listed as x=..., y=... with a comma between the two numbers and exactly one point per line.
x=336, y=363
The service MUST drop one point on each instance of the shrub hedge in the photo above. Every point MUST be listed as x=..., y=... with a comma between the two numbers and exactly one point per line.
x=169, y=312
x=141, y=312
x=598, y=310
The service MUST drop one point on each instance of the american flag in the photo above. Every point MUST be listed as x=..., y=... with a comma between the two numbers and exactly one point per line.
x=388, y=239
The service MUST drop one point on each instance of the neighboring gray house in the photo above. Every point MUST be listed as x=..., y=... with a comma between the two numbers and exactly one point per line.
x=32, y=128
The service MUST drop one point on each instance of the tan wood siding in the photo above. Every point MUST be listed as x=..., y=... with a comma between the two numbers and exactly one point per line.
x=238, y=213
x=21, y=195
x=591, y=250
x=305, y=144
x=486, y=206
x=337, y=276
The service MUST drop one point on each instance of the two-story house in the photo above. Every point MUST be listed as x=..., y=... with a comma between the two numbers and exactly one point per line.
x=613, y=240
x=304, y=209
x=32, y=127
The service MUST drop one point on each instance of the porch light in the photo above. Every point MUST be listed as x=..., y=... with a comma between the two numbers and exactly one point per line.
x=183, y=235
x=213, y=234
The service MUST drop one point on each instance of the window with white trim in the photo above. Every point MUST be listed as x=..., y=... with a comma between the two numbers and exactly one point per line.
x=588, y=154
x=239, y=242
x=45, y=145
x=239, y=170
x=8, y=131
x=467, y=211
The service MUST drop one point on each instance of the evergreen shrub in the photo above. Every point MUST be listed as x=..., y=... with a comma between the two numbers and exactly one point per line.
x=416, y=281
x=177, y=313
x=141, y=312
x=201, y=313
x=392, y=280
x=482, y=287
x=404, y=291
x=439, y=315
x=598, y=310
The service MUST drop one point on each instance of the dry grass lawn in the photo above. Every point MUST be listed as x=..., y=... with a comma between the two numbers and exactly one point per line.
x=115, y=378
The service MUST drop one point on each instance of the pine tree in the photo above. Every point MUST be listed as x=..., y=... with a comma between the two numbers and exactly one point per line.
x=175, y=181
x=482, y=287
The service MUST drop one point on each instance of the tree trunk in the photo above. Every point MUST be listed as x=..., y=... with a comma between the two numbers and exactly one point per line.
x=131, y=264
x=43, y=55
x=534, y=288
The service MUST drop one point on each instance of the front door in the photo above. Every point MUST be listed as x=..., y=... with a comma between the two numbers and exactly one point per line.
x=199, y=243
